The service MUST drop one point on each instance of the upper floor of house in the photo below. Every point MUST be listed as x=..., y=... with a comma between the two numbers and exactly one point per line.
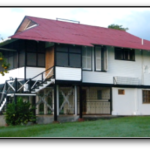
x=77, y=53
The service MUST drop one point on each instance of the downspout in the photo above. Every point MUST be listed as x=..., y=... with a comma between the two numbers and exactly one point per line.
x=142, y=79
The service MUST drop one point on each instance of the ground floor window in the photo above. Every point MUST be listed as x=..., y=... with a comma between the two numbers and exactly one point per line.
x=146, y=96
x=121, y=92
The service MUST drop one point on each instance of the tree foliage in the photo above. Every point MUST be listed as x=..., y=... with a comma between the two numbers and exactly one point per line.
x=4, y=65
x=20, y=112
x=118, y=27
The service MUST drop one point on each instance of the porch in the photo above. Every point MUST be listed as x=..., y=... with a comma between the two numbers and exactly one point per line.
x=69, y=103
x=95, y=102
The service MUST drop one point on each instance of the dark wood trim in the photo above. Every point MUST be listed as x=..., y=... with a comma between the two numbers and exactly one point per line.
x=34, y=105
x=68, y=82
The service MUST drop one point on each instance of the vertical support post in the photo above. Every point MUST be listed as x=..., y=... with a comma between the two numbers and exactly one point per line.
x=42, y=77
x=45, y=106
x=75, y=100
x=15, y=85
x=81, y=103
x=33, y=105
x=37, y=107
x=57, y=100
x=15, y=99
x=30, y=85
x=53, y=101
x=7, y=101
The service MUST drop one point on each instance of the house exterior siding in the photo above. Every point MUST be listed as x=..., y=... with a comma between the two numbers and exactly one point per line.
x=121, y=68
x=14, y=73
x=131, y=103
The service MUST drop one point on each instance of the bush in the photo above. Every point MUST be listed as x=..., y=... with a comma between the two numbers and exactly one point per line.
x=19, y=113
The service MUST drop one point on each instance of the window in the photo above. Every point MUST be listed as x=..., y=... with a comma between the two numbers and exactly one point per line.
x=99, y=94
x=124, y=54
x=121, y=92
x=41, y=60
x=35, y=53
x=21, y=58
x=87, y=58
x=100, y=58
x=68, y=56
x=146, y=96
x=31, y=59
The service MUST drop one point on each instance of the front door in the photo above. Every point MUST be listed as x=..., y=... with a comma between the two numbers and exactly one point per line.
x=83, y=101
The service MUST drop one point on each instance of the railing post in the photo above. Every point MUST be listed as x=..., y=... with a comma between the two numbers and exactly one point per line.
x=6, y=87
x=30, y=85
x=42, y=77
x=15, y=85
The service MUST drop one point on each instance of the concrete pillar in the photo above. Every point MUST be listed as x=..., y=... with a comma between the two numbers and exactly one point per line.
x=57, y=87
x=37, y=107
x=53, y=101
x=45, y=106
x=75, y=100
x=30, y=100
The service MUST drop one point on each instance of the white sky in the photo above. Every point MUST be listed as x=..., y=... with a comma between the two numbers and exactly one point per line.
x=134, y=18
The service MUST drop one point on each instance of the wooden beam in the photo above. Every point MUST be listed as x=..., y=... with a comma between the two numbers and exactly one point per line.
x=6, y=49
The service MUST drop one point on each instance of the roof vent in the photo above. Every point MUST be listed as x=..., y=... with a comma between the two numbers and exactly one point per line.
x=61, y=19
x=142, y=42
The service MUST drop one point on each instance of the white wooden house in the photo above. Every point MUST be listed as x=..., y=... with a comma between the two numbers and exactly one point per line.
x=77, y=69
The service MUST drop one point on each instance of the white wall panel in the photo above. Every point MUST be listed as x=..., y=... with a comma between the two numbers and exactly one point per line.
x=14, y=73
x=66, y=73
x=123, y=104
x=33, y=71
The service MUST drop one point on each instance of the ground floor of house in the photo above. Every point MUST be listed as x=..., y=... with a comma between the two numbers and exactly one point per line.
x=80, y=100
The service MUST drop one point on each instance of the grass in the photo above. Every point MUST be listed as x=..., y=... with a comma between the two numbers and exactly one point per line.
x=116, y=127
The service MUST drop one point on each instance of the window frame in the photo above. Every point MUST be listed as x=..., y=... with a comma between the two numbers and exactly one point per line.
x=121, y=91
x=123, y=51
x=68, y=52
x=143, y=91
x=102, y=49
x=86, y=69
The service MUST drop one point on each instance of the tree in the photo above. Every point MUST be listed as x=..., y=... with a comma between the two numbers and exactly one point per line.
x=4, y=65
x=118, y=27
x=20, y=112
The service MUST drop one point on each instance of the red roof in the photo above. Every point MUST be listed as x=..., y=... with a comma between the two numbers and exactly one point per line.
x=79, y=34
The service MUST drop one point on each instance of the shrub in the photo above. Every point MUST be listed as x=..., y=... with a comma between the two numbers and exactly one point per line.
x=19, y=113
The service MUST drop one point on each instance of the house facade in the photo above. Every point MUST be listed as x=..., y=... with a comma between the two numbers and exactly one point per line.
x=77, y=69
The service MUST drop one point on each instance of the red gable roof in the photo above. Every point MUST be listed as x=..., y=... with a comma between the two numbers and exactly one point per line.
x=79, y=34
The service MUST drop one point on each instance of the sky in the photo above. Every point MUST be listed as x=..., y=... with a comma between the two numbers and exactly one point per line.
x=134, y=18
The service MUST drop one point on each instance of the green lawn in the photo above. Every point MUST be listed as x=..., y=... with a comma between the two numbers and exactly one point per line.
x=116, y=127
